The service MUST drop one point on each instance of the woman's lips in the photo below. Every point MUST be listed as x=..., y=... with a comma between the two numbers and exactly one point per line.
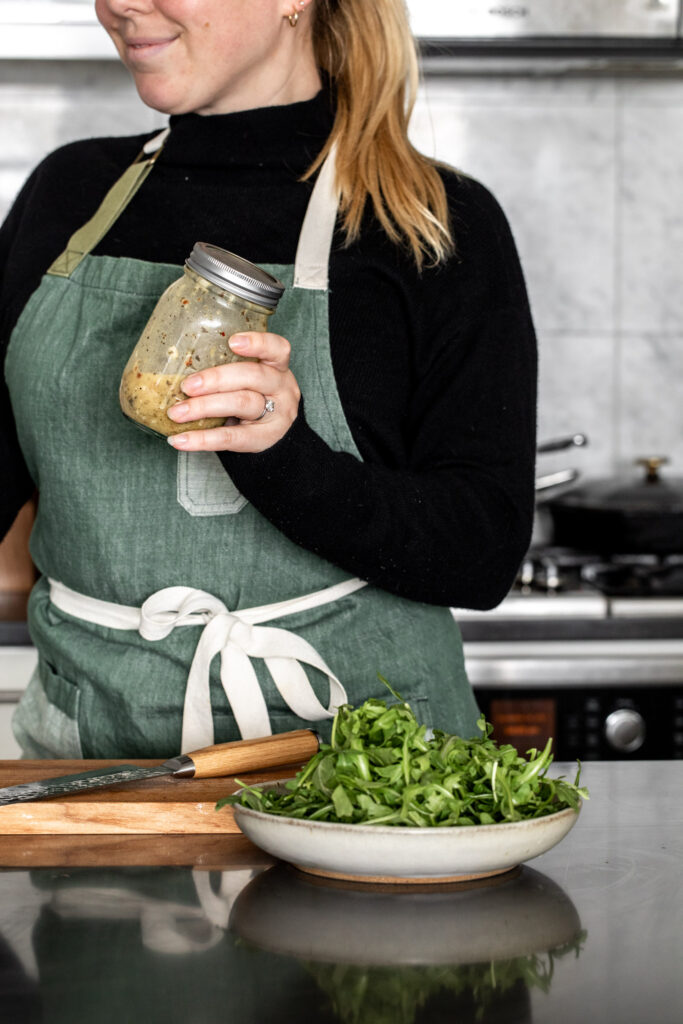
x=141, y=49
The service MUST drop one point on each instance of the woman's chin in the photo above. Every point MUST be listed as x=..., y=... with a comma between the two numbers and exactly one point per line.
x=162, y=94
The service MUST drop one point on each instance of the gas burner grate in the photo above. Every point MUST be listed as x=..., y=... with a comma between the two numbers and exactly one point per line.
x=553, y=569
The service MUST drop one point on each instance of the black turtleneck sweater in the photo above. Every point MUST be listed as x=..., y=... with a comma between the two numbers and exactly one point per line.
x=436, y=371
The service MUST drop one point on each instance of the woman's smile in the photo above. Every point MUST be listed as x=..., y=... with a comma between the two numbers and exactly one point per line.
x=139, y=50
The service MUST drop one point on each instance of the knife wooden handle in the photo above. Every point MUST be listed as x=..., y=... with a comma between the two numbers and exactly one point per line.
x=254, y=755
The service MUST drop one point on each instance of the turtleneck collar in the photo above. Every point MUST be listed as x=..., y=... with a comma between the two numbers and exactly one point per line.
x=292, y=134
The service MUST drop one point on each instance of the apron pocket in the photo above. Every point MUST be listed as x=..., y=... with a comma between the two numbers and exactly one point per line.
x=45, y=724
x=204, y=487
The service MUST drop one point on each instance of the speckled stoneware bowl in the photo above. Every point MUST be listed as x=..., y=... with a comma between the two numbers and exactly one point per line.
x=385, y=853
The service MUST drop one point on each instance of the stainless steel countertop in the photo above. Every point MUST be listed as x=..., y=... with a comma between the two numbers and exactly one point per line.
x=591, y=930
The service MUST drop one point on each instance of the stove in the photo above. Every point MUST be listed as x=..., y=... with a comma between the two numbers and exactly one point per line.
x=552, y=570
x=588, y=649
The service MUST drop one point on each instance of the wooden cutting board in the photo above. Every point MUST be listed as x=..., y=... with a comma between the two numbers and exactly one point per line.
x=219, y=852
x=162, y=805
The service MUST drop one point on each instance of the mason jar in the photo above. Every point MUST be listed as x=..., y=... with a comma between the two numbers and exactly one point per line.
x=219, y=294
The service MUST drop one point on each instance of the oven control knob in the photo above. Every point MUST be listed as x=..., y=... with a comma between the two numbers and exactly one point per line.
x=625, y=730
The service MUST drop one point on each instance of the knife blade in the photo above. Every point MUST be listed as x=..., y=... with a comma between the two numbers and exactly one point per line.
x=208, y=762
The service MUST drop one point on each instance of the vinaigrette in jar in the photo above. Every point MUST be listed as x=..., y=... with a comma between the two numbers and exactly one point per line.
x=219, y=294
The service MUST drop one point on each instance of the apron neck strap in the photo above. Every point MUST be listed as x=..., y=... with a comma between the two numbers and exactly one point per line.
x=84, y=240
x=315, y=239
x=317, y=230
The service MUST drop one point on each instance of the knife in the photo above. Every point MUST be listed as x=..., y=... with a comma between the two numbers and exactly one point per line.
x=207, y=763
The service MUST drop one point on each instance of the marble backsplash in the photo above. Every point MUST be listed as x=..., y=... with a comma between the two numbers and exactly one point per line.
x=589, y=169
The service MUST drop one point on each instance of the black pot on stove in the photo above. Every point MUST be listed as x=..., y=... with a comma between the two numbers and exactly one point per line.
x=632, y=512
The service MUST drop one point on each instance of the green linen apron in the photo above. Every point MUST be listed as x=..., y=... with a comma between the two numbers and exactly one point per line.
x=122, y=517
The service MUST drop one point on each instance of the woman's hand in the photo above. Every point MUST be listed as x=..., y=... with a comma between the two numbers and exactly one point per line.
x=239, y=392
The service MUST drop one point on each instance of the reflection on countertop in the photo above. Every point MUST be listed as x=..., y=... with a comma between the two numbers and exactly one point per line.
x=252, y=945
x=382, y=955
x=593, y=929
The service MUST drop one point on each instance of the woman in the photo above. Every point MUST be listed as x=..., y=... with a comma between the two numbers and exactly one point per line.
x=381, y=467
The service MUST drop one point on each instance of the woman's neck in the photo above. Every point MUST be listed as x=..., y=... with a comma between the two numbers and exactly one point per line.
x=291, y=134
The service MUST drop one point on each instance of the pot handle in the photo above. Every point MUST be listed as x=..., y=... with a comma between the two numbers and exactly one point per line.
x=652, y=465
x=563, y=476
x=557, y=444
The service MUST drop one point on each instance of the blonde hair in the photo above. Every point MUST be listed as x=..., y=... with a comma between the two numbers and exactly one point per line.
x=367, y=49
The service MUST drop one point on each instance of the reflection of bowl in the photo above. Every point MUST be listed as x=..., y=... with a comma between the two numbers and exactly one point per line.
x=391, y=853
x=285, y=912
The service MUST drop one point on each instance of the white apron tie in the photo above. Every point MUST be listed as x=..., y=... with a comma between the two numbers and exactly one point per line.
x=238, y=638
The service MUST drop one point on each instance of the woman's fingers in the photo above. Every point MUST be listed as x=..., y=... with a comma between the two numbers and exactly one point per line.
x=272, y=352
x=258, y=398
x=271, y=349
x=233, y=377
x=244, y=405
x=243, y=437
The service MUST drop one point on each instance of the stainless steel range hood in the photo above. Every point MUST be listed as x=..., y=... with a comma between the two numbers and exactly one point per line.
x=570, y=22
x=549, y=37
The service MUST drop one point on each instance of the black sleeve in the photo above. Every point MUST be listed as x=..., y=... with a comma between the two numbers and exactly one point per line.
x=450, y=526
x=17, y=484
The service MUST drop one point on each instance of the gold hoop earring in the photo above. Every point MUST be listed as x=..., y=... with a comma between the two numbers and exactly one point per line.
x=293, y=18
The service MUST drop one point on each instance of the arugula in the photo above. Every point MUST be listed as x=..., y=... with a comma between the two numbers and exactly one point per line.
x=394, y=995
x=380, y=768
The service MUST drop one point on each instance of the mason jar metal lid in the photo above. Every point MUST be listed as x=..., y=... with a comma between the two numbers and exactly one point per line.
x=235, y=274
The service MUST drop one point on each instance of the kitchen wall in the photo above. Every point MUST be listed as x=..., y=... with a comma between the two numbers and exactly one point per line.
x=589, y=168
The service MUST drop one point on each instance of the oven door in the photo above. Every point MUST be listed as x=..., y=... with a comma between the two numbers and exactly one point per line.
x=600, y=700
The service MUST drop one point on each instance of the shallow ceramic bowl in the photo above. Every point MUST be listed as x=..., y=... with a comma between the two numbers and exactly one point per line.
x=386, y=853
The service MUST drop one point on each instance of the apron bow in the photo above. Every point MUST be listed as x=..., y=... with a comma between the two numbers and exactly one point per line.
x=177, y=606
x=238, y=638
